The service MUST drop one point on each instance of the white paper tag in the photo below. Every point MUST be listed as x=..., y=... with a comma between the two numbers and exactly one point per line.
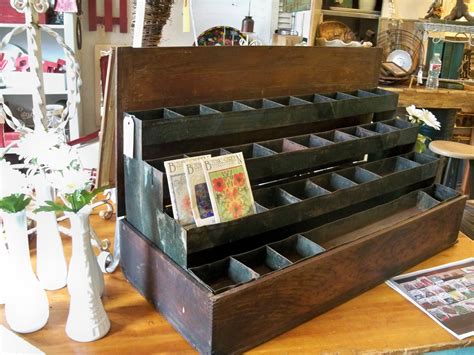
x=128, y=136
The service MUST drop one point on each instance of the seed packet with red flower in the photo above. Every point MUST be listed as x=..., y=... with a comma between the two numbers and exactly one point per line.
x=180, y=199
x=229, y=187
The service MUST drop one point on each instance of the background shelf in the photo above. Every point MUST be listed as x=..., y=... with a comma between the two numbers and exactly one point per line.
x=351, y=14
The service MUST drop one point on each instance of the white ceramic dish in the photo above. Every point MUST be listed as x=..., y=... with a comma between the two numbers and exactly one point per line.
x=401, y=58
x=322, y=42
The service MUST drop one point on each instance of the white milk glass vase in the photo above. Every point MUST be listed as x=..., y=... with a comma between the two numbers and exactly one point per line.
x=3, y=268
x=87, y=320
x=26, y=306
x=51, y=266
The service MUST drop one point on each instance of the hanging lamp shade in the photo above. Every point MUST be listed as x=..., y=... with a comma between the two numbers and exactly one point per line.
x=248, y=22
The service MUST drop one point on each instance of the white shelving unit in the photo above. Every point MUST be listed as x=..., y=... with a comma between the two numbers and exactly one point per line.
x=18, y=87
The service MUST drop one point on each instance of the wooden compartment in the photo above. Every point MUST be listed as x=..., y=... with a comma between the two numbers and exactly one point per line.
x=286, y=252
x=328, y=227
x=330, y=192
x=231, y=321
x=147, y=192
x=246, y=119
x=224, y=274
x=349, y=229
x=296, y=248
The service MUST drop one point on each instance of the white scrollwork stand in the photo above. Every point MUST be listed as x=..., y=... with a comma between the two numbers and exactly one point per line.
x=31, y=9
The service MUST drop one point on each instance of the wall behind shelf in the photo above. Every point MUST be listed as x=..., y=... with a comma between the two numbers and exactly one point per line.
x=208, y=13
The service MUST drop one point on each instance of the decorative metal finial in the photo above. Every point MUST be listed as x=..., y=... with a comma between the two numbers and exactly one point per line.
x=40, y=6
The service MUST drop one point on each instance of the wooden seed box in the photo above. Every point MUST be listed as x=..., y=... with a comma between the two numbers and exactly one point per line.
x=329, y=226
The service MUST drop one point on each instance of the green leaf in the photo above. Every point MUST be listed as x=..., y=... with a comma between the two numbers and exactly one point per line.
x=80, y=198
x=76, y=201
x=52, y=206
x=14, y=203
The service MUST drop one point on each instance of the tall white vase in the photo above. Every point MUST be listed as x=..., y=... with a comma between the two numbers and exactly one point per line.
x=87, y=319
x=4, y=267
x=51, y=266
x=26, y=307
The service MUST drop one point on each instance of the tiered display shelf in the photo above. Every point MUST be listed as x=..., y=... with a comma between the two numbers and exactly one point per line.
x=342, y=201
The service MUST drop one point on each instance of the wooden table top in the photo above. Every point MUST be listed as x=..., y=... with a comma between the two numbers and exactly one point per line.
x=439, y=98
x=379, y=320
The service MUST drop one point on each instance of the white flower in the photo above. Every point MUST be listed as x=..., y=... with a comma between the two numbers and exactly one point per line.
x=37, y=145
x=12, y=181
x=70, y=180
x=422, y=116
x=429, y=119
x=60, y=158
x=413, y=111
x=414, y=114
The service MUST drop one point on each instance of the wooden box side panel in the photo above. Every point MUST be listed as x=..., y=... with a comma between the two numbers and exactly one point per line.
x=174, y=76
x=171, y=291
x=148, y=78
x=271, y=306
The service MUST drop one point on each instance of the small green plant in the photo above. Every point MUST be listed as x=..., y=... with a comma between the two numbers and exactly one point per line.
x=74, y=188
x=74, y=202
x=14, y=203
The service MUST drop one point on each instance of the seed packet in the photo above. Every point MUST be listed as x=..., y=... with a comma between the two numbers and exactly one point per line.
x=201, y=205
x=229, y=187
x=180, y=200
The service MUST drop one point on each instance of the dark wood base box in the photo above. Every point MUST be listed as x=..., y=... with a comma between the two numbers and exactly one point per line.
x=400, y=234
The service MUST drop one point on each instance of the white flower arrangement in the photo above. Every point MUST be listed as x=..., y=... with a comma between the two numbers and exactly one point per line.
x=422, y=117
x=60, y=158
x=74, y=188
x=70, y=180
x=46, y=151
x=47, y=156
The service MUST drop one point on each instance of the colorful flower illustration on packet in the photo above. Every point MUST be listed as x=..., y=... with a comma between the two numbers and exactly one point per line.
x=231, y=193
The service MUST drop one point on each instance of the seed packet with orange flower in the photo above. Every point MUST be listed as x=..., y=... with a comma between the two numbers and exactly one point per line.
x=229, y=187
x=180, y=199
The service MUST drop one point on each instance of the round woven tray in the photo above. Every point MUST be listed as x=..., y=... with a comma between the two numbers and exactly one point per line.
x=331, y=30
